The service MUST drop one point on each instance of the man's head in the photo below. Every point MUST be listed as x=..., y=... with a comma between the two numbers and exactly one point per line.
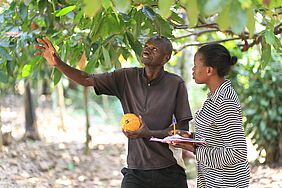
x=157, y=51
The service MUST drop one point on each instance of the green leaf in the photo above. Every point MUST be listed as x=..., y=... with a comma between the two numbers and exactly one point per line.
x=3, y=77
x=223, y=19
x=97, y=27
x=10, y=67
x=65, y=10
x=135, y=44
x=57, y=76
x=251, y=22
x=23, y=11
x=192, y=12
x=26, y=2
x=93, y=61
x=265, y=54
x=262, y=126
x=107, y=58
x=269, y=37
x=26, y=70
x=122, y=5
x=78, y=17
x=117, y=64
x=237, y=17
x=5, y=55
x=139, y=19
x=277, y=45
x=149, y=13
x=212, y=6
x=250, y=112
x=106, y=4
x=175, y=17
x=92, y=7
x=164, y=6
x=110, y=26
x=163, y=27
x=275, y=4
x=142, y=1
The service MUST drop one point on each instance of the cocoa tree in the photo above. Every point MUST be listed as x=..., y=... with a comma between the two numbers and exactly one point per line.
x=109, y=31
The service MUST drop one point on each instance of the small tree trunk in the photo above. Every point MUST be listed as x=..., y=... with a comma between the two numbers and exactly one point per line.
x=280, y=151
x=1, y=138
x=88, y=136
x=107, y=107
x=31, y=131
x=45, y=88
x=273, y=153
x=82, y=63
x=61, y=105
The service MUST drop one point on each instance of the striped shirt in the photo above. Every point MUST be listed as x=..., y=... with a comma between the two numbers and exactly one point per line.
x=222, y=162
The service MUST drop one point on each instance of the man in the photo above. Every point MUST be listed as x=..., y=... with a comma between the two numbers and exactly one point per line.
x=153, y=94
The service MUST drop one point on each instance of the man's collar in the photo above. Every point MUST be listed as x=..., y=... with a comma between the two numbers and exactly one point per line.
x=156, y=80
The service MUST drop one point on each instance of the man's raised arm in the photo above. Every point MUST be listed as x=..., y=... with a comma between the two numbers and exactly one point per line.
x=49, y=53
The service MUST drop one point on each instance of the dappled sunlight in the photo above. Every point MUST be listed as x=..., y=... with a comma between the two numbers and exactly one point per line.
x=58, y=159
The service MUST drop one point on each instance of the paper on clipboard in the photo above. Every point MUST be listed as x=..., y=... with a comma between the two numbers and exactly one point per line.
x=177, y=138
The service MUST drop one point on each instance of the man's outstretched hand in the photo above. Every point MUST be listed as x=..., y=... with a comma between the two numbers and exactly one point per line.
x=47, y=51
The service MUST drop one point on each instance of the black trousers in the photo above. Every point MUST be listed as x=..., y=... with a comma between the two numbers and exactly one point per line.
x=170, y=177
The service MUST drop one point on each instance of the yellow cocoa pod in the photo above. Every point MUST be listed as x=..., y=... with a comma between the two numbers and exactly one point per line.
x=130, y=122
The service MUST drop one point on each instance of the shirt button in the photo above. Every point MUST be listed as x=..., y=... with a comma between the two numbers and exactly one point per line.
x=149, y=84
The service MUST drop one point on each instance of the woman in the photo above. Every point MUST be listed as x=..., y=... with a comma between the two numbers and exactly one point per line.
x=222, y=161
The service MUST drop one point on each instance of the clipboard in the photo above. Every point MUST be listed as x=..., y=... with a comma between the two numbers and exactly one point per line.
x=177, y=138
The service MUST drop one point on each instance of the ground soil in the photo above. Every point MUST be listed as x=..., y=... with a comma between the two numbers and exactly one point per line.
x=58, y=160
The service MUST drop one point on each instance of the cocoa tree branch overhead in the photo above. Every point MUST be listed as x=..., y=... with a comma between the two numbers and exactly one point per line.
x=196, y=34
x=204, y=43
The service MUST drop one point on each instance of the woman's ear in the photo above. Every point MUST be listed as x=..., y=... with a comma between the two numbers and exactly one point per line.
x=210, y=71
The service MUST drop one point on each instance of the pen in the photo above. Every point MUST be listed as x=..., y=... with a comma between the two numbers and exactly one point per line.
x=174, y=126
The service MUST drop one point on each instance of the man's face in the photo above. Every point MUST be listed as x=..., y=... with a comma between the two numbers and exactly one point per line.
x=154, y=54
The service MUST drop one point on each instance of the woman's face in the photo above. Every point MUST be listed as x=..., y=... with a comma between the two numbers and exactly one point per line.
x=200, y=70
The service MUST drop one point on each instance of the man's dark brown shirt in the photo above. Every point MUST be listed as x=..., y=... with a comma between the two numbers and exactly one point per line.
x=156, y=101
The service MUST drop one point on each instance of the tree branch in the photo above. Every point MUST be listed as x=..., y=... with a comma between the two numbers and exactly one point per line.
x=257, y=38
x=197, y=34
x=204, y=43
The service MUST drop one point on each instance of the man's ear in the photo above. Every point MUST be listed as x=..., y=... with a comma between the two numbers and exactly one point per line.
x=167, y=58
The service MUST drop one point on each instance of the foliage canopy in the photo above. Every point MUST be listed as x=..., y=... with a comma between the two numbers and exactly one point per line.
x=108, y=30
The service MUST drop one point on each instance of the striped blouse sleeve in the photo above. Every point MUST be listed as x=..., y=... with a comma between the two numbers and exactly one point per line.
x=229, y=123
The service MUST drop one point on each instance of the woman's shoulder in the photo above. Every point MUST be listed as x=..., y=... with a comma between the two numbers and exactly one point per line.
x=229, y=95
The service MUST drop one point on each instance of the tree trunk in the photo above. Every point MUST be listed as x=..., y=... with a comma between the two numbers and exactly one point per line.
x=273, y=152
x=61, y=105
x=280, y=151
x=31, y=131
x=46, y=88
x=107, y=108
x=88, y=136
x=1, y=138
